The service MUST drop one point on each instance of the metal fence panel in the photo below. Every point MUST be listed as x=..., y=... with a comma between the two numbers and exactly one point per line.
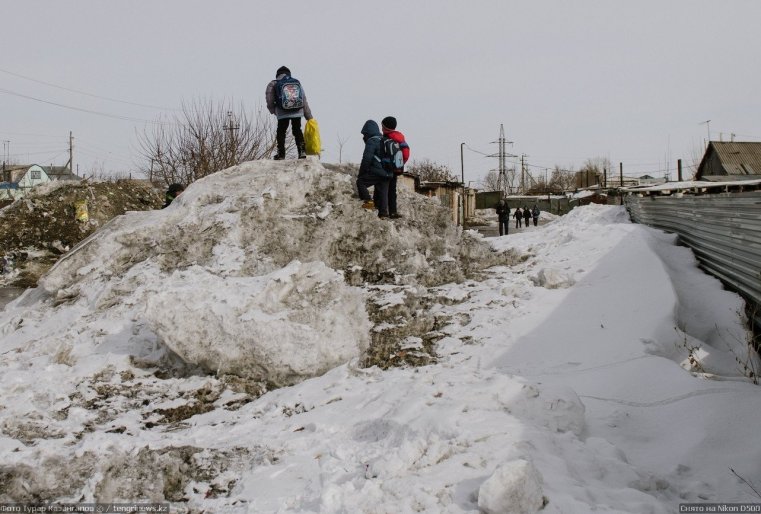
x=723, y=230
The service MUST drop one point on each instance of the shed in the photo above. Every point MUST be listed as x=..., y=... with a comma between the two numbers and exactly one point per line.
x=730, y=161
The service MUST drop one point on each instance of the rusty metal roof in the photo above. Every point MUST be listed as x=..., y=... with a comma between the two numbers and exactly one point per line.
x=737, y=158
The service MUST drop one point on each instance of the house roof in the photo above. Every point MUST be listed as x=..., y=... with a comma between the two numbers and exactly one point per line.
x=17, y=172
x=60, y=173
x=53, y=172
x=737, y=158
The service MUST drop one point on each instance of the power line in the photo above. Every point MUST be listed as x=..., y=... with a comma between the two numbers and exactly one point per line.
x=476, y=151
x=87, y=94
x=97, y=113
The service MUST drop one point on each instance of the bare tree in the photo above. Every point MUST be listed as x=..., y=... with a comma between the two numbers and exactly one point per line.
x=696, y=156
x=204, y=138
x=561, y=180
x=429, y=171
x=341, y=143
x=491, y=181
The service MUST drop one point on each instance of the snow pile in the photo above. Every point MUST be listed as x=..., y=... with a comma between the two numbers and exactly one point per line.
x=296, y=322
x=250, y=272
x=567, y=399
x=514, y=488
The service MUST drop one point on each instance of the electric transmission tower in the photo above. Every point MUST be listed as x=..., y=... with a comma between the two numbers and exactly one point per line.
x=502, y=155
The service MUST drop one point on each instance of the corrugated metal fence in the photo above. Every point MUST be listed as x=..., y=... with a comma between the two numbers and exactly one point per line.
x=723, y=230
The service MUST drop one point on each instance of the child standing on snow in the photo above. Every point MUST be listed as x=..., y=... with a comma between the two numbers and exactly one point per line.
x=287, y=101
x=388, y=125
x=526, y=215
x=371, y=171
x=518, y=217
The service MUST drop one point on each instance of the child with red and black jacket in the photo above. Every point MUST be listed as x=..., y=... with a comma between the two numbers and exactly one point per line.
x=388, y=126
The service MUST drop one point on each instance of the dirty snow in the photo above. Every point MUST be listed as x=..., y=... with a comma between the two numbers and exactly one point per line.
x=584, y=365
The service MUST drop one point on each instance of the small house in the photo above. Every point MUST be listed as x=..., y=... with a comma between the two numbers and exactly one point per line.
x=730, y=160
x=18, y=180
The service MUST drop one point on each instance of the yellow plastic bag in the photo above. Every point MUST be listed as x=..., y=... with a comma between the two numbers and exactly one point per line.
x=81, y=213
x=312, y=137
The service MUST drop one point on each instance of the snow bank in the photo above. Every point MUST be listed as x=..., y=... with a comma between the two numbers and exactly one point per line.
x=564, y=396
x=251, y=270
x=297, y=322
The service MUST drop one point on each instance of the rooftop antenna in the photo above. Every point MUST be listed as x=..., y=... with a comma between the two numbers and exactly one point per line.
x=708, y=127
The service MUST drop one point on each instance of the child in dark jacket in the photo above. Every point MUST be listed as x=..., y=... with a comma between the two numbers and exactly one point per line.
x=518, y=217
x=388, y=125
x=371, y=171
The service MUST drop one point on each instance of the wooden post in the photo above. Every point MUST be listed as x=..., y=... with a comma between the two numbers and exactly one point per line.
x=621, y=178
x=679, y=168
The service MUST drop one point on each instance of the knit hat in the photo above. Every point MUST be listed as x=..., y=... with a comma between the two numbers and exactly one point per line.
x=175, y=189
x=281, y=70
x=389, y=122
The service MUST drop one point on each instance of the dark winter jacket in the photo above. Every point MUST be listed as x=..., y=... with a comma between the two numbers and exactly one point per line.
x=371, y=161
x=518, y=213
x=503, y=211
x=526, y=214
x=273, y=108
x=535, y=212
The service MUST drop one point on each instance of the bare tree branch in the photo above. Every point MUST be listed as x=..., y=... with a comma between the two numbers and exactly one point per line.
x=203, y=138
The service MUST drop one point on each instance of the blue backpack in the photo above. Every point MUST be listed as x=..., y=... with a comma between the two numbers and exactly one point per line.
x=289, y=94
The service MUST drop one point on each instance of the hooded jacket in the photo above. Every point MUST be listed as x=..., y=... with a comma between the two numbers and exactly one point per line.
x=371, y=161
x=273, y=108
x=503, y=211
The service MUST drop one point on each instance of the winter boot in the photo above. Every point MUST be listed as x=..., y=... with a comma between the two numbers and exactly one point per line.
x=369, y=205
x=302, y=152
x=279, y=157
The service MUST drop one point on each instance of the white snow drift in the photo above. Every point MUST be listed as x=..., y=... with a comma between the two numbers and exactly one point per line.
x=604, y=372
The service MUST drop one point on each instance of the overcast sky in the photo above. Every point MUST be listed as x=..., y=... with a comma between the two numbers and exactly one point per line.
x=630, y=81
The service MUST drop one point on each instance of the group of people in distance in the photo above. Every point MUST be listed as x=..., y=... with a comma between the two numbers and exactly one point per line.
x=503, y=216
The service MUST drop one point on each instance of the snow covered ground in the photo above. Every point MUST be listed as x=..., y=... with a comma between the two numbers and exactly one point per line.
x=593, y=368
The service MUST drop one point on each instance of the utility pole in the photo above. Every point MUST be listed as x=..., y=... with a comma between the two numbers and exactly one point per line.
x=71, y=153
x=232, y=127
x=621, y=178
x=6, y=151
x=679, y=169
x=462, y=196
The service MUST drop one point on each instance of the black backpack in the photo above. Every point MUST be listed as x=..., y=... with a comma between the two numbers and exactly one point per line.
x=289, y=95
x=392, y=158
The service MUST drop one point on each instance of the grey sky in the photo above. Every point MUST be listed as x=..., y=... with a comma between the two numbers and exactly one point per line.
x=569, y=80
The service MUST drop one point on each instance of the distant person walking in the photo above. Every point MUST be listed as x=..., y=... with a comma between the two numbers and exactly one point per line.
x=535, y=214
x=388, y=126
x=372, y=172
x=526, y=215
x=503, y=216
x=518, y=217
x=287, y=101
